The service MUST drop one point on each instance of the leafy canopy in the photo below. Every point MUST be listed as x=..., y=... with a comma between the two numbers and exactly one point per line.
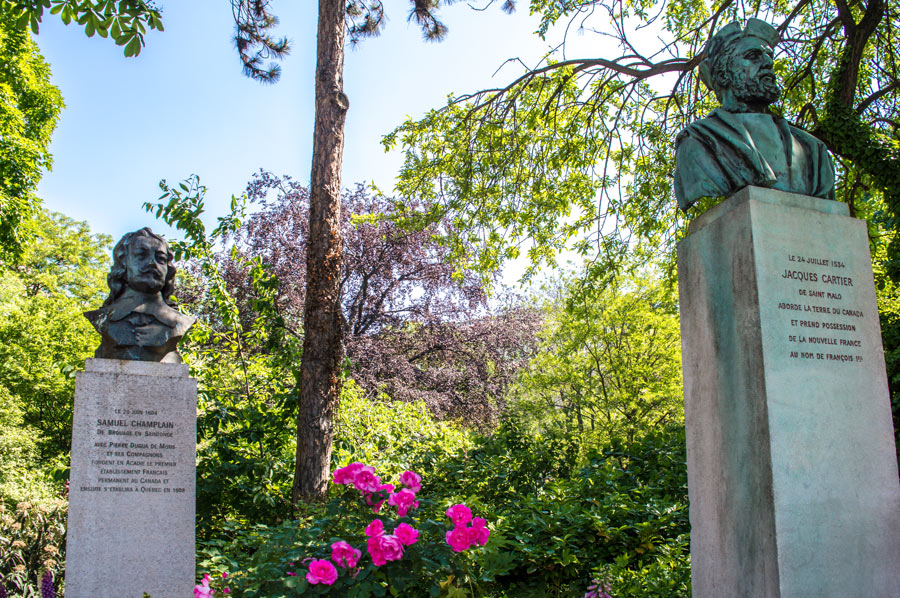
x=125, y=21
x=579, y=151
x=29, y=108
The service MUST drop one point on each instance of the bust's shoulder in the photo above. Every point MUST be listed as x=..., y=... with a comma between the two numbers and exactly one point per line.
x=701, y=128
x=99, y=317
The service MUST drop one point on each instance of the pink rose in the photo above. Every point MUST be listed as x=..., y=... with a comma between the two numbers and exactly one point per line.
x=404, y=500
x=366, y=481
x=392, y=548
x=458, y=538
x=322, y=571
x=376, y=528
x=411, y=480
x=407, y=534
x=479, y=532
x=376, y=506
x=375, y=551
x=202, y=590
x=345, y=555
x=459, y=514
x=345, y=475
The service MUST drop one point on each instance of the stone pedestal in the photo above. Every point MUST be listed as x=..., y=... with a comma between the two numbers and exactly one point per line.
x=132, y=482
x=792, y=470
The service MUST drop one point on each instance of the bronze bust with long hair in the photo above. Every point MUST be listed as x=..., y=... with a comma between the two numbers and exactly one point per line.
x=138, y=320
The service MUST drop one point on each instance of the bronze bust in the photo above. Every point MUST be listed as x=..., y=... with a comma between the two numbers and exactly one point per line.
x=137, y=321
x=742, y=143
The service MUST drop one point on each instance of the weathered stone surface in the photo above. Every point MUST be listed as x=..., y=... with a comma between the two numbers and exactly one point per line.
x=791, y=465
x=132, y=481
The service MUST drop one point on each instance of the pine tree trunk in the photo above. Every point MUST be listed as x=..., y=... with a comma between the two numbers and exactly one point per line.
x=320, y=383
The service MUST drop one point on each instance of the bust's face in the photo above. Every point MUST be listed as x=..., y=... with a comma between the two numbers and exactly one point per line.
x=146, y=264
x=752, y=76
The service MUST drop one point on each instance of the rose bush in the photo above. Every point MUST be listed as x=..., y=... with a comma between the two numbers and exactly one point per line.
x=372, y=539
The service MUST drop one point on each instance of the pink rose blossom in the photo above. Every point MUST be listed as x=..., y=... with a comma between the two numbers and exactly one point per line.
x=458, y=538
x=374, y=529
x=292, y=573
x=384, y=548
x=388, y=488
x=404, y=500
x=202, y=590
x=375, y=551
x=392, y=548
x=479, y=535
x=411, y=480
x=459, y=514
x=345, y=555
x=322, y=571
x=407, y=534
x=366, y=481
x=345, y=475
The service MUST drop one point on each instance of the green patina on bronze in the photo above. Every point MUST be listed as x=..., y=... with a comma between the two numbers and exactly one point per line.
x=137, y=321
x=742, y=143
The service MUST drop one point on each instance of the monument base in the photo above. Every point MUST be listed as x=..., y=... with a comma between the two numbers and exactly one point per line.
x=792, y=471
x=132, y=481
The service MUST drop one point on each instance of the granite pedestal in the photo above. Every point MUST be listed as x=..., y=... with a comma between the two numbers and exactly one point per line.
x=132, y=481
x=792, y=470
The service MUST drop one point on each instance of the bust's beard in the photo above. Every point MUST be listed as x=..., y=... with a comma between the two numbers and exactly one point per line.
x=757, y=90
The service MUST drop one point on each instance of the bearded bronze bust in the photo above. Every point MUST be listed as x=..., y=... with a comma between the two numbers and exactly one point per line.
x=742, y=143
x=137, y=321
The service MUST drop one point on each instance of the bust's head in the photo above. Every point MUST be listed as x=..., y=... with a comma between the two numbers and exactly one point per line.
x=739, y=66
x=142, y=261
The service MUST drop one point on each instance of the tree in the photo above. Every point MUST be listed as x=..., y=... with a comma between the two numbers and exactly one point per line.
x=29, y=108
x=583, y=148
x=609, y=362
x=30, y=104
x=45, y=336
x=322, y=346
x=413, y=328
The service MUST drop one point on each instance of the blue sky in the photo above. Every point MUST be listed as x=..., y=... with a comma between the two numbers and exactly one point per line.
x=184, y=107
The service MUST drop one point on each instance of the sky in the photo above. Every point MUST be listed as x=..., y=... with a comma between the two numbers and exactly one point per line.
x=183, y=106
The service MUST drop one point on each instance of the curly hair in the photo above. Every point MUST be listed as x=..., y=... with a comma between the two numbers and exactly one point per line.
x=117, y=279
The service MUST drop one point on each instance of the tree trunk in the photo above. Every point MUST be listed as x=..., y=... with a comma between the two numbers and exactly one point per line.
x=320, y=383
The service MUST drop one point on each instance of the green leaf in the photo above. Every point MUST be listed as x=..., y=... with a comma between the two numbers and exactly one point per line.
x=133, y=48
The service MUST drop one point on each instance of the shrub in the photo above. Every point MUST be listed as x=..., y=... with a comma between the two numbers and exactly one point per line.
x=32, y=543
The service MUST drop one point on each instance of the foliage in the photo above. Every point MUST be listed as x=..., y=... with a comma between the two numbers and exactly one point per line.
x=411, y=328
x=391, y=436
x=389, y=275
x=427, y=566
x=29, y=108
x=32, y=543
x=21, y=477
x=255, y=23
x=555, y=522
x=461, y=370
x=246, y=372
x=609, y=363
x=582, y=149
x=125, y=21
x=46, y=338
x=621, y=514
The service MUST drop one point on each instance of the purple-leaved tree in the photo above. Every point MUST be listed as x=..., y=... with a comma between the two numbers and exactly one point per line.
x=412, y=329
